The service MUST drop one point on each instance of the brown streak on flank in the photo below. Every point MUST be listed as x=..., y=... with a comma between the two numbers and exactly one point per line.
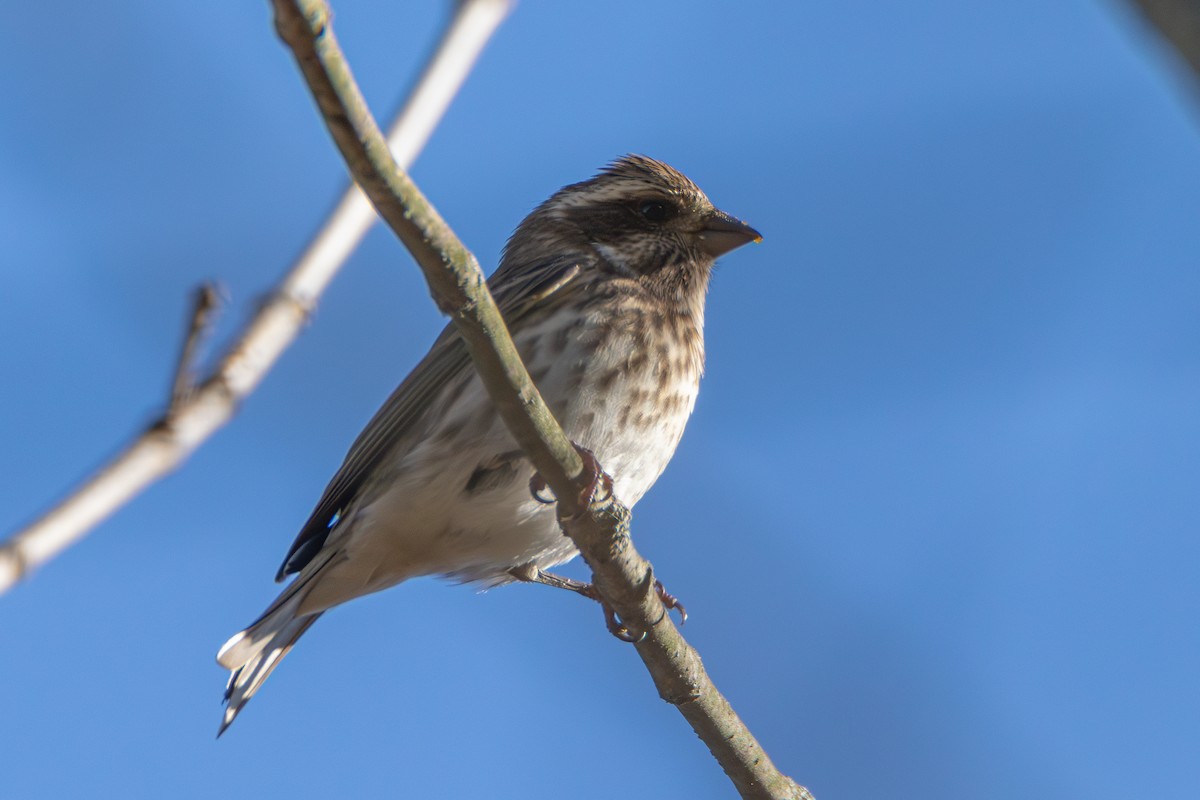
x=664, y=378
x=606, y=381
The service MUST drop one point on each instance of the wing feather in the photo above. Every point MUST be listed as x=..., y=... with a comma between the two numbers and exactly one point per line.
x=517, y=293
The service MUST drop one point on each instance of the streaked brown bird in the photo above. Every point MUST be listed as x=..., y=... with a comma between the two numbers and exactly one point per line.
x=603, y=289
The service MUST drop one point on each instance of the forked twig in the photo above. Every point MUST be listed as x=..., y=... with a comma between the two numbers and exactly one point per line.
x=204, y=310
x=195, y=414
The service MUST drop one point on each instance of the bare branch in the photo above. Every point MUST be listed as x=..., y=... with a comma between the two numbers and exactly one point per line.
x=168, y=442
x=599, y=527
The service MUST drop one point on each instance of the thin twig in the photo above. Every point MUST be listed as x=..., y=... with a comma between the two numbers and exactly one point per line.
x=204, y=309
x=623, y=578
x=168, y=442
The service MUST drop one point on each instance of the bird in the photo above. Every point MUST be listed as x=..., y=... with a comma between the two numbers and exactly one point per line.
x=603, y=289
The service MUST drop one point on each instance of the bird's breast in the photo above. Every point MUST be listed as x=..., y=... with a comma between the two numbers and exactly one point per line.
x=623, y=385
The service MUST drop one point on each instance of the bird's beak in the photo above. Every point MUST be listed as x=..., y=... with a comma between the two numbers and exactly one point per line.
x=722, y=233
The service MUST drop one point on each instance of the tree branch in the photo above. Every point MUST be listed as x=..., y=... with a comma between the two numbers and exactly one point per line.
x=599, y=529
x=195, y=414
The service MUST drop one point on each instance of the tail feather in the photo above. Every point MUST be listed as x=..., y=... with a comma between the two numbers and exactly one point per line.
x=252, y=655
x=246, y=677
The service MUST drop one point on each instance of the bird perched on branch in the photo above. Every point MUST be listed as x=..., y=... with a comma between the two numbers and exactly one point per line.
x=602, y=287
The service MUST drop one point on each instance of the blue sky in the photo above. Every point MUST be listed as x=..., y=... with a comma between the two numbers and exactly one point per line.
x=935, y=517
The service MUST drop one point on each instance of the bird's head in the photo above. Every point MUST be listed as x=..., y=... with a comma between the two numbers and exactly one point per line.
x=643, y=219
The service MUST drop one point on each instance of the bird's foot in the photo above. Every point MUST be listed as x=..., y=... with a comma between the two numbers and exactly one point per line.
x=618, y=628
x=599, y=483
x=598, y=486
x=530, y=573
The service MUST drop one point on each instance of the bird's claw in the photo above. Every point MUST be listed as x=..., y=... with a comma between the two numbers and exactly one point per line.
x=611, y=620
x=599, y=484
x=670, y=601
x=618, y=628
x=531, y=573
x=621, y=630
x=598, y=487
x=538, y=487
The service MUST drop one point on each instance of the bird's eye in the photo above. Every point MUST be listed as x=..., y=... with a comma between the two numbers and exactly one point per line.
x=655, y=210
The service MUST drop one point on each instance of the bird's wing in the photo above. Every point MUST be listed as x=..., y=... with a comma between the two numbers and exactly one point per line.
x=517, y=293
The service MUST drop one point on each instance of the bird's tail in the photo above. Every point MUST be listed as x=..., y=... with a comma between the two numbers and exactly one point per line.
x=253, y=654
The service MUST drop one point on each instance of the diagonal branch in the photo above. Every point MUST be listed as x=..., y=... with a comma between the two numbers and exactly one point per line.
x=600, y=528
x=205, y=406
x=454, y=277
